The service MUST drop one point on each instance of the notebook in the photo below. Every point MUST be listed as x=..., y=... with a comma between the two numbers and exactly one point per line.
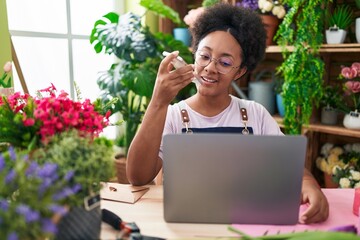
x=232, y=178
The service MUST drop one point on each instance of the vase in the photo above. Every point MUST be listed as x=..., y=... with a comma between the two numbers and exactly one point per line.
x=352, y=120
x=357, y=29
x=328, y=182
x=80, y=223
x=271, y=24
x=183, y=35
x=280, y=105
x=329, y=116
x=335, y=36
x=6, y=91
x=120, y=165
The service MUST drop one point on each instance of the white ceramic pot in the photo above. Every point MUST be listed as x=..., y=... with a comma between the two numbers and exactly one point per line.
x=357, y=29
x=335, y=36
x=352, y=120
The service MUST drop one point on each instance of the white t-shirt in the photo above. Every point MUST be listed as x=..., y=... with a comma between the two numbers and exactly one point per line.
x=260, y=122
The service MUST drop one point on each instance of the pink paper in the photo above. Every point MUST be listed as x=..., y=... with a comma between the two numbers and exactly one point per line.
x=341, y=213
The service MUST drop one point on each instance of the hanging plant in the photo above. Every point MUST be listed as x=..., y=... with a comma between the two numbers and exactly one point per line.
x=303, y=67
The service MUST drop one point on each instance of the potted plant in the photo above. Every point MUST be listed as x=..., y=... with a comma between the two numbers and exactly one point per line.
x=351, y=105
x=271, y=12
x=330, y=101
x=5, y=81
x=339, y=21
x=62, y=132
x=139, y=52
x=302, y=67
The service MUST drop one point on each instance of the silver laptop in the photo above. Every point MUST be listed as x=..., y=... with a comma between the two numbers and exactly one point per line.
x=232, y=178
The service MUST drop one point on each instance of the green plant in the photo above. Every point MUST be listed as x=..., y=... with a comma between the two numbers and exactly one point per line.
x=331, y=96
x=341, y=18
x=209, y=3
x=90, y=161
x=302, y=68
x=139, y=54
x=30, y=195
x=5, y=80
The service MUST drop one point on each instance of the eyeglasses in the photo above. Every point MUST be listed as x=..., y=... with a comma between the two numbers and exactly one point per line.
x=223, y=65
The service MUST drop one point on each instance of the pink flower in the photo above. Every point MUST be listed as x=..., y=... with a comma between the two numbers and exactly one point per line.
x=7, y=67
x=356, y=65
x=352, y=87
x=349, y=72
x=190, y=18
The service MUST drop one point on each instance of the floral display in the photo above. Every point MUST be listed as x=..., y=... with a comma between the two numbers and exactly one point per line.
x=342, y=162
x=352, y=85
x=273, y=7
x=5, y=80
x=28, y=121
x=25, y=184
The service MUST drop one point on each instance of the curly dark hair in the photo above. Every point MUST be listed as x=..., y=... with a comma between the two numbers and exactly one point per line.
x=243, y=24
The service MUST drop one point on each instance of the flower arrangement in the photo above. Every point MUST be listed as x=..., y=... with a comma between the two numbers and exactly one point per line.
x=352, y=85
x=25, y=184
x=67, y=160
x=342, y=163
x=274, y=7
x=5, y=80
x=28, y=122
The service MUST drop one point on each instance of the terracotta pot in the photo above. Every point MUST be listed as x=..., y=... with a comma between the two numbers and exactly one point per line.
x=120, y=165
x=328, y=182
x=271, y=24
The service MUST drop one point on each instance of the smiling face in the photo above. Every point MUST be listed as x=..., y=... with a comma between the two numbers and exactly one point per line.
x=223, y=52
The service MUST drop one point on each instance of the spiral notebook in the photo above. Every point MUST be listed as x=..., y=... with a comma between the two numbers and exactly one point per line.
x=232, y=178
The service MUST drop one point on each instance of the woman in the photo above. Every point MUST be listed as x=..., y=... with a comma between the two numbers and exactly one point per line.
x=228, y=41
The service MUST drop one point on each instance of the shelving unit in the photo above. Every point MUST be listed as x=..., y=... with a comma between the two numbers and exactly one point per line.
x=334, y=55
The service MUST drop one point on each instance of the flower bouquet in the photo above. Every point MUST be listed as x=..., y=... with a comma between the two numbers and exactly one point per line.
x=341, y=163
x=269, y=7
x=28, y=122
x=60, y=133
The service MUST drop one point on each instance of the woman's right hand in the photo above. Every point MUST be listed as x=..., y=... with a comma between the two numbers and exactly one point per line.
x=169, y=81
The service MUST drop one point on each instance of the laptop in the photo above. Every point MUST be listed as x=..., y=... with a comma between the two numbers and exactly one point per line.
x=232, y=178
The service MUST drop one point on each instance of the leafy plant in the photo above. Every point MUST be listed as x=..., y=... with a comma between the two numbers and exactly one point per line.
x=331, y=96
x=302, y=68
x=30, y=195
x=341, y=18
x=209, y=3
x=139, y=54
x=89, y=161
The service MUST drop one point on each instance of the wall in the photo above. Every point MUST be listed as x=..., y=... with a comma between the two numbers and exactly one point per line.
x=5, y=47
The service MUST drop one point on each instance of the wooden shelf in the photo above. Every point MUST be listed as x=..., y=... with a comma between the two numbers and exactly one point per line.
x=321, y=128
x=325, y=48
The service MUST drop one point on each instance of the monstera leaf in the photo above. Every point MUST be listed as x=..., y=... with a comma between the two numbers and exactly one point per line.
x=125, y=37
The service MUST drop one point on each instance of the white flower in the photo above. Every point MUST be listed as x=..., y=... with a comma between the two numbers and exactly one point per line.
x=279, y=11
x=325, y=149
x=355, y=175
x=357, y=185
x=267, y=6
x=356, y=147
x=7, y=67
x=344, y=183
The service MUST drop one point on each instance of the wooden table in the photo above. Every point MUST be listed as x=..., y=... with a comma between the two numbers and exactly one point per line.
x=147, y=213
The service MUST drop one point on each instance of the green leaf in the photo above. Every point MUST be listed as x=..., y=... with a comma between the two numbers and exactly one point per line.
x=159, y=8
